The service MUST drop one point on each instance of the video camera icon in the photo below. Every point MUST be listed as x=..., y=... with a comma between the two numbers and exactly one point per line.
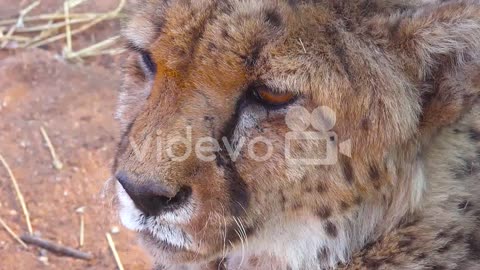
x=323, y=120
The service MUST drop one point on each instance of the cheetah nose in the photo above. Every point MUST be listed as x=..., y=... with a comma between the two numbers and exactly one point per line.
x=152, y=197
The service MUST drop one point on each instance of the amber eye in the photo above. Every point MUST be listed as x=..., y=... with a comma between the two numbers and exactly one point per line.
x=271, y=98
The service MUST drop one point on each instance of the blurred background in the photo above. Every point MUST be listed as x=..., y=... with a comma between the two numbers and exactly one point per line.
x=60, y=64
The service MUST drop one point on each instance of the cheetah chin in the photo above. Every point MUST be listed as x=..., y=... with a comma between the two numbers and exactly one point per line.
x=289, y=134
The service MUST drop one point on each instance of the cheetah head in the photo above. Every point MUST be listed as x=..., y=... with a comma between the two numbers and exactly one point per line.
x=290, y=130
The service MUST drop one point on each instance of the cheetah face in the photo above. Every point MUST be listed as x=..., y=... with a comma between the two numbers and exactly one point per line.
x=238, y=116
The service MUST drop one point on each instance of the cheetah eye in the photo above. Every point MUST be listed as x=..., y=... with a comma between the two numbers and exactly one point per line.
x=148, y=62
x=271, y=98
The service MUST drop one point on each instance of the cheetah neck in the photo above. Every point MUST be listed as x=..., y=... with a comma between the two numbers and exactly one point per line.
x=304, y=244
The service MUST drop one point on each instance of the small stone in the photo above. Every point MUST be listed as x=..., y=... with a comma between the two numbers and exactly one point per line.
x=12, y=213
x=43, y=259
x=43, y=253
x=115, y=230
x=80, y=210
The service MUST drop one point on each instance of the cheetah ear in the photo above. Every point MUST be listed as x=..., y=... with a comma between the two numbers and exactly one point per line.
x=439, y=48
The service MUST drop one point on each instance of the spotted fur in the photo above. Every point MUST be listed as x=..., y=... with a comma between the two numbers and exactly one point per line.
x=403, y=78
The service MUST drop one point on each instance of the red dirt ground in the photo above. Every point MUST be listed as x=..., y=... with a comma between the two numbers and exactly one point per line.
x=75, y=104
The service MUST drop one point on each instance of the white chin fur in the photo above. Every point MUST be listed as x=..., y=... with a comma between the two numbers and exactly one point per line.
x=129, y=214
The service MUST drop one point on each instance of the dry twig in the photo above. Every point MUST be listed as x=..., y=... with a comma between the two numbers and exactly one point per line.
x=19, y=23
x=12, y=234
x=68, y=30
x=56, y=248
x=19, y=194
x=51, y=16
x=56, y=162
x=14, y=38
x=110, y=15
x=82, y=230
x=114, y=251
x=51, y=26
x=96, y=49
x=81, y=212
x=51, y=31
x=61, y=25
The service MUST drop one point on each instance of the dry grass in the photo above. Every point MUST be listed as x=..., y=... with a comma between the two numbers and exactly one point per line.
x=57, y=164
x=12, y=233
x=27, y=31
x=61, y=25
x=18, y=193
x=111, y=244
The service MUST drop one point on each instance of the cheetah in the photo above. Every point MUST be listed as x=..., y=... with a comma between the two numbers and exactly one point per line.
x=289, y=134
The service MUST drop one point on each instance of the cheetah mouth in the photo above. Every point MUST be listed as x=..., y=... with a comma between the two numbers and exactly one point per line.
x=155, y=232
x=163, y=245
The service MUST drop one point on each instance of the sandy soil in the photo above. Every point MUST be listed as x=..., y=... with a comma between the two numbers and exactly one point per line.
x=75, y=104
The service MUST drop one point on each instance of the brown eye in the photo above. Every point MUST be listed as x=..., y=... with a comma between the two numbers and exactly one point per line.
x=269, y=97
